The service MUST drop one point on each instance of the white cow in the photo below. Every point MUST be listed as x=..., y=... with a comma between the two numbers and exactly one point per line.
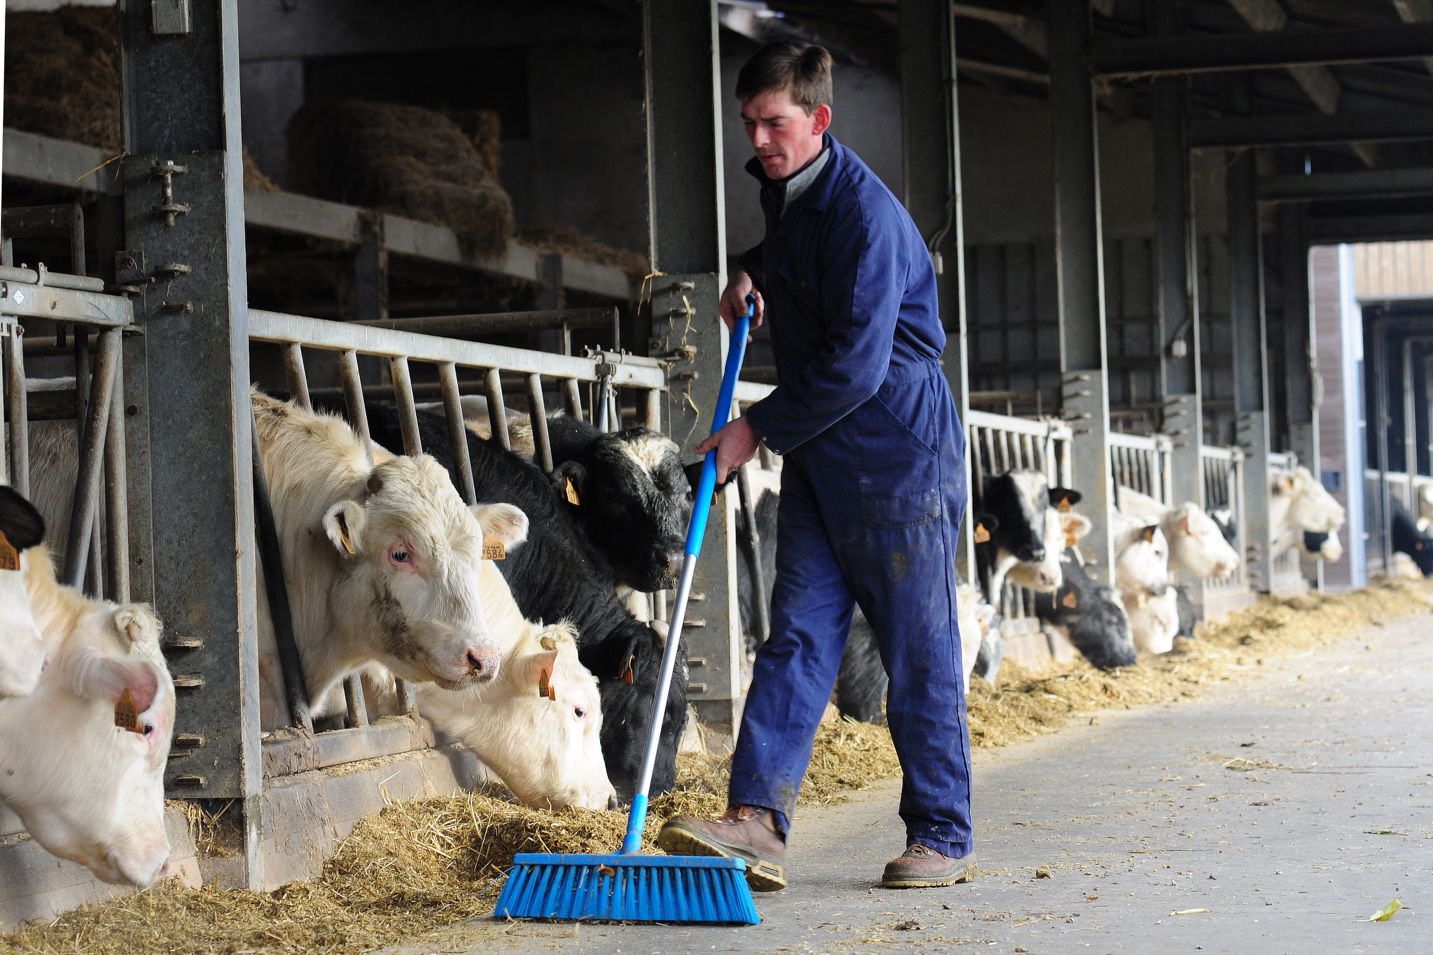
x=1196, y=544
x=1141, y=554
x=539, y=725
x=86, y=789
x=1298, y=504
x=1153, y=621
x=22, y=646
x=382, y=563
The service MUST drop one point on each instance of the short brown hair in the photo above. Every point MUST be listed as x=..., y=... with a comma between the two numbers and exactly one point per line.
x=803, y=69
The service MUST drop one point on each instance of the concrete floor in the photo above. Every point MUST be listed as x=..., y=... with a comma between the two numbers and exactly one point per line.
x=1137, y=817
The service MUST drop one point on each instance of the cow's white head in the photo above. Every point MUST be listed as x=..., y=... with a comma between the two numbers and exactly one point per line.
x=411, y=555
x=87, y=789
x=1153, y=621
x=1143, y=565
x=1196, y=543
x=22, y=647
x=1305, y=504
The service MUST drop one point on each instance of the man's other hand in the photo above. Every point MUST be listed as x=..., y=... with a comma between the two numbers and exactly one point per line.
x=736, y=444
x=733, y=300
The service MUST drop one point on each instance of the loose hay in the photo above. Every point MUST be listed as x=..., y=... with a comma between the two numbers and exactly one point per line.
x=579, y=245
x=62, y=75
x=426, y=863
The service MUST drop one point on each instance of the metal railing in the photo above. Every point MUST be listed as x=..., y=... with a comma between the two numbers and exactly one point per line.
x=606, y=372
x=1000, y=443
x=1286, y=578
x=1143, y=463
x=1224, y=491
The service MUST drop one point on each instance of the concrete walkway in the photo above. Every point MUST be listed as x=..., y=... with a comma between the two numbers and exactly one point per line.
x=1137, y=817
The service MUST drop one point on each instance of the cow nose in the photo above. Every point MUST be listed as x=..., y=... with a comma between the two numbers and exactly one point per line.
x=1036, y=554
x=675, y=559
x=483, y=662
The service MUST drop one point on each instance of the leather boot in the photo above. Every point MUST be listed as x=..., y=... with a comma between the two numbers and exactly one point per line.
x=743, y=832
x=922, y=867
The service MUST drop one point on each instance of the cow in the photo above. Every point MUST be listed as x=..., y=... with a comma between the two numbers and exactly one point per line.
x=1298, y=503
x=381, y=562
x=1196, y=543
x=22, y=645
x=1013, y=526
x=1091, y=614
x=82, y=756
x=1323, y=545
x=1153, y=621
x=1408, y=539
x=1141, y=554
x=559, y=574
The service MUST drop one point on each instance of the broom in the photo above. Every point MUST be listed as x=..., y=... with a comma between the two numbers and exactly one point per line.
x=626, y=885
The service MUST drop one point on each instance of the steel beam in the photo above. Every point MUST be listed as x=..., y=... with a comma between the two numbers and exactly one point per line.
x=930, y=141
x=686, y=212
x=1370, y=183
x=1158, y=56
x=187, y=383
x=1079, y=259
x=1312, y=130
x=1328, y=230
x=1246, y=312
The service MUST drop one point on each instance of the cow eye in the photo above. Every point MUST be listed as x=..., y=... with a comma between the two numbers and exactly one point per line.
x=579, y=712
x=399, y=555
x=148, y=729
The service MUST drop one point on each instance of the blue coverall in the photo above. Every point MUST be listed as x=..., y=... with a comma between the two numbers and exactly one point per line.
x=872, y=494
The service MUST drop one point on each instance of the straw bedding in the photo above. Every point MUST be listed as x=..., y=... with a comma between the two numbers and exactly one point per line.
x=429, y=862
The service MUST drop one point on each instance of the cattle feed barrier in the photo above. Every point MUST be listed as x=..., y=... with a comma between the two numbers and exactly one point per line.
x=1223, y=470
x=1286, y=577
x=604, y=371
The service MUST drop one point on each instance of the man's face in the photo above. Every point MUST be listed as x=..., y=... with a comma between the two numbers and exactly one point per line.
x=784, y=137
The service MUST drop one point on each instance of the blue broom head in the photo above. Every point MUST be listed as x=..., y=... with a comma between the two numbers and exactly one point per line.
x=628, y=888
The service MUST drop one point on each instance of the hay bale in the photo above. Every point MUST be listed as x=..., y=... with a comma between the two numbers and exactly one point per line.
x=566, y=240
x=485, y=128
x=254, y=179
x=406, y=160
x=62, y=75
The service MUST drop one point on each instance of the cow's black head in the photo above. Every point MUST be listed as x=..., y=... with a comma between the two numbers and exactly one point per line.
x=1019, y=502
x=628, y=671
x=22, y=524
x=634, y=499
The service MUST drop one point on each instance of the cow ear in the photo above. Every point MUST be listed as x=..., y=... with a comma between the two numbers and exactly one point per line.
x=1064, y=496
x=1148, y=532
x=21, y=523
x=137, y=625
x=344, y=524
x=694, y=475
x=503, y=522
x=1076, y=525
x=541, y=672
x=91, y=674
x=570, y=479
x=1184, y=524
x=985, y=525
x=381, y=455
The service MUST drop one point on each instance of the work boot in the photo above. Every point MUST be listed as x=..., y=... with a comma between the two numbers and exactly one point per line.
x=743, y=832
x=922, y=867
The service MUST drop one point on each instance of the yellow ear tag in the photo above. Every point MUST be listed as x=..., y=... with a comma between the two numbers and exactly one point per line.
x=981, y=534
x=1070, y=539
x=493, y=549
x=1064, y=505
x=1070, y=600
x=126, y=714
x=9, y=557
x=572, y=494
x=542, y=683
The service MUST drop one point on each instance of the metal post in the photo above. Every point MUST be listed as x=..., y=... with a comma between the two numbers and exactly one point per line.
x=296, y=374
x=412, y=447
x=681, y=63
x=457, y=430
x=183, y=183
x=116, y=502
x=930, y=145
x=1080, y=274
x=90, y=473
x=18, y=409
x=1246, y=314
x=537, y=416
x=572, y=398
x=1298, y=333
x=497, y=411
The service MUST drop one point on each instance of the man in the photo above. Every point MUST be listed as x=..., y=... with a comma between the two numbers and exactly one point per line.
x=872, y=485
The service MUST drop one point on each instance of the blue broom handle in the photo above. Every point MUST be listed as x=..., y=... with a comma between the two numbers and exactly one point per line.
x=637, y=818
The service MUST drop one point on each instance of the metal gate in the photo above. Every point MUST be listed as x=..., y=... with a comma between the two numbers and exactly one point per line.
x=1224, y=496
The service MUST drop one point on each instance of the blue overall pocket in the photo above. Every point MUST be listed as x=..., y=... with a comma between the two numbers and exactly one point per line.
x=897, y=468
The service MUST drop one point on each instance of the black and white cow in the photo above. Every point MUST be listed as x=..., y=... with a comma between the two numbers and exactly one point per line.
x=1090, y=612
x=559, y=574
x=1408, y=539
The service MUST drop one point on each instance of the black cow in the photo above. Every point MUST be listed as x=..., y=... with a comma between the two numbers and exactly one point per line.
x=633, y=497
x=559, y=574
x=1089, y=611
x=1408, y=539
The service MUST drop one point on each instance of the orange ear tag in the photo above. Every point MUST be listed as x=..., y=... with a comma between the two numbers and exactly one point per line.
x=1071, y=540
x=572, y=494
x=1064, y=506
x=493, y=549
x=1070, y=600
x=627, y=672
x=543, y=687
x=981, y=534
x=126, y=714
x=9, y=557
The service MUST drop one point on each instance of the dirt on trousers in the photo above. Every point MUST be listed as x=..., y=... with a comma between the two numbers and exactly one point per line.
x=426, y=863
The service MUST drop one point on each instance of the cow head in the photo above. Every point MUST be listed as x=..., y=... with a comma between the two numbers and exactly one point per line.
x=1143, y=565
x=87, y=789
x=22, y=647
x=628, y=667
x=1305, y=504
x=1154, y=621
x=1043, y=576
x=1018, y=501
x=635, y=498
x=1197, y=544
x=1322, y=546
x=410, y=569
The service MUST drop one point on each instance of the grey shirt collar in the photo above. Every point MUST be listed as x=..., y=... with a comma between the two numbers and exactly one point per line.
x=785, y=192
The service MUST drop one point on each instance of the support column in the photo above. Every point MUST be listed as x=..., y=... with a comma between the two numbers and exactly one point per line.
x=1246, y=314
x=1079, y=256
x=686, y=213
x=1303, y=397
x=930, y=141
x=187, y=388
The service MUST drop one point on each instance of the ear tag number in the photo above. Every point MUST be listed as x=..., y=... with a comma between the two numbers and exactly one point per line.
x=9, y=557
x=981, y=534
x=1070, y=600
x=546, y=687
x=493, y=549
x=126, y=714
x=572, y=494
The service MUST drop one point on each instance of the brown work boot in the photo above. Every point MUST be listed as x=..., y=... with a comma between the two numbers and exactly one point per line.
x=922, y=867
x=744, y=832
